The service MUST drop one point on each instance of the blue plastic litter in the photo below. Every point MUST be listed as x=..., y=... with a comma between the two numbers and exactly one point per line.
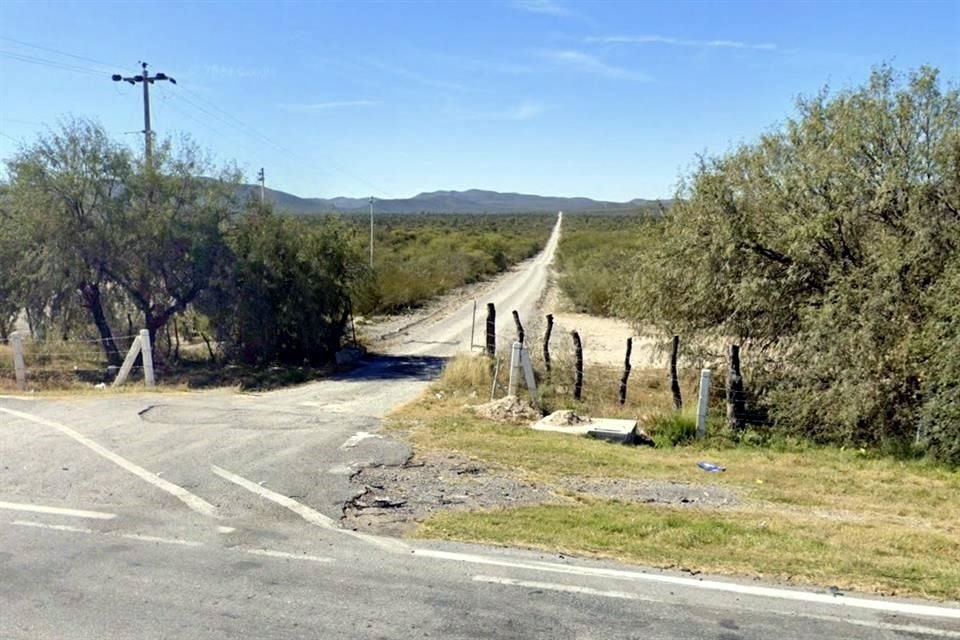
x=709, y=466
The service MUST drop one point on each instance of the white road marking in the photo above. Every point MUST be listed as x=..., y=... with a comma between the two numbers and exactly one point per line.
x=552, y=586
x=283, y=554
x=312, y=516
x=174, y=541
x=75, y=513
x=129, y=536
x=905, y=608
x=196, y=503
x=226, y=529
x=357, y=438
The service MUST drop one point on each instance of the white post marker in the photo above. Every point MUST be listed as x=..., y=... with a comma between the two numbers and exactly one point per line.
x=127, y=363
x=528, y=375
x=147, y=350
x=473, y=324
x=19, y=368
x=704, y=401
x=515, y=352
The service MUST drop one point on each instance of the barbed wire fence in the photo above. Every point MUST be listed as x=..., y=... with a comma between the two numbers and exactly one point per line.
x=646, y=383
x=27, y=362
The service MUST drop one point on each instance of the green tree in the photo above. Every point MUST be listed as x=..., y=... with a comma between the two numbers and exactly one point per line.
x=819, y=247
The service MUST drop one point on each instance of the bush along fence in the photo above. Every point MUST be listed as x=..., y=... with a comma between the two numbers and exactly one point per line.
x=75, y=360
x=560, y=364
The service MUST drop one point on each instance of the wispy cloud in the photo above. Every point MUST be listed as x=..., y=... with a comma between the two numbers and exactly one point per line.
x=587, y=63
x=414, y=76
x=234, y=72
x=680, y=42
x=526, y=110
x=307, y=107
x=547, y=7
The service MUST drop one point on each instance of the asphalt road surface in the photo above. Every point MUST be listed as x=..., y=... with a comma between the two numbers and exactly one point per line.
x=215, y=515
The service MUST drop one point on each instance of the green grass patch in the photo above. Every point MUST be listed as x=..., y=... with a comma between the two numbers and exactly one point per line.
x=866, y=557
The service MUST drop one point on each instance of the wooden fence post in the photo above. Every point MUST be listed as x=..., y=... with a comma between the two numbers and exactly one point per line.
x=520, y=333
x=19, y=368
x=146, y=351
x=704, y=402
x=546, y=343
x=626, y=372
x=736, y=402
x=491, y=329
x=578, y=363
x=674, y=378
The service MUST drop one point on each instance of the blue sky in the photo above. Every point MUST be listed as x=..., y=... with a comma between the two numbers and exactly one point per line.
x=610, y=100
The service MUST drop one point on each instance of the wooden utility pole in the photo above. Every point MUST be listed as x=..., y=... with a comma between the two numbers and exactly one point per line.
x=146, y=79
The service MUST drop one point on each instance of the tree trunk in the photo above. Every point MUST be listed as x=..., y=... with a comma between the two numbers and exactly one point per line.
x=626, y=372
x=578, y=366
x=546, y=343
x=674, y=378
x=90, y=298
x=736, y=398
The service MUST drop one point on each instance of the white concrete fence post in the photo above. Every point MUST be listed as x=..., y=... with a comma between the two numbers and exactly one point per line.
x=19, y=368
x=704, y=401
x=515, y=365
x=146, y=348
x=128, y=362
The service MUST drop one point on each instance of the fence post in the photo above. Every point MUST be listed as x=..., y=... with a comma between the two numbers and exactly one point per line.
x=546, y=343
x=516, y=319
x=128, y=363
x=493, y=385
x=528, y=376
x=626, y=372
x=578, y=363
x=736, y=403
x=19, y=368
x=146, y=349
x=515, y=365
x=491, y=329
x=473, y=325
x=704, y=401
x=674, y=378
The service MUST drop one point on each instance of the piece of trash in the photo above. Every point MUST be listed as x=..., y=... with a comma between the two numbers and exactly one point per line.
x=709, y=466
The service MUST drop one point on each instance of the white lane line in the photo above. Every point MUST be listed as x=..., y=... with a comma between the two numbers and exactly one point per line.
x=57, y=511
x=196, y=503
x=566, y=588
x=710, y=585
x=312, y=516
x=625, y=595
x=357, y=438
x=174, y=541
x=53, y=527
x=143, y=538
x=129, y=536
x=283, y=554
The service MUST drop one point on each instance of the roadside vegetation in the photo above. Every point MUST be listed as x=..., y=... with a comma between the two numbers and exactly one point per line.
x=418, y=257
x=96, y=244
x=829, y=249
x=805, y=513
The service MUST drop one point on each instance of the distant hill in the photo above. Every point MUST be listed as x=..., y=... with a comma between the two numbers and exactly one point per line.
x=471, y=201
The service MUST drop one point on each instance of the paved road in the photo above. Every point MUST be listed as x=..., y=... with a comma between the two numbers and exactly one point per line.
x=214, y=515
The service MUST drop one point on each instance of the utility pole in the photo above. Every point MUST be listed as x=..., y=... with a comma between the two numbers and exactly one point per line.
x=147, y=80
x=371, y=233
x=261, y=179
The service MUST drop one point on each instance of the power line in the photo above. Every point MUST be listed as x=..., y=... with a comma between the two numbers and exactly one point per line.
x=57, y=51
x=10, y=55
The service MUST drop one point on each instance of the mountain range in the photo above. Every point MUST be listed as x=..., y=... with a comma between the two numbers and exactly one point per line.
x=471, y=201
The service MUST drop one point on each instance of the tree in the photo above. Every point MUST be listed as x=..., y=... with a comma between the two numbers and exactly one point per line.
x=283, y=296
x=819, y=247
x=63, y=194
x=101, y=224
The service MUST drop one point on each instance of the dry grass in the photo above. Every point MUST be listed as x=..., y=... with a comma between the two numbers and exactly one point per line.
x=826, y=516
